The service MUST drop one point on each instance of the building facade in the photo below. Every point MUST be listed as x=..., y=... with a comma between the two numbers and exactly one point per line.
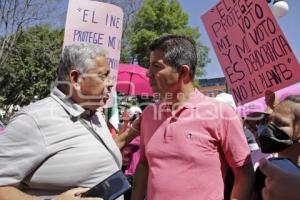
x=213, y=86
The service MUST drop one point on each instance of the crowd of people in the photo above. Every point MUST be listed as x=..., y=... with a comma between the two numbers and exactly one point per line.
x=183, y=146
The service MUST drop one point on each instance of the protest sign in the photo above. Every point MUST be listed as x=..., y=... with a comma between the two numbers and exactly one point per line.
x=99, y=23
x=251, y=48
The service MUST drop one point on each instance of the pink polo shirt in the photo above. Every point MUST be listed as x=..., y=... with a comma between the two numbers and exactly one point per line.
x=188, y=151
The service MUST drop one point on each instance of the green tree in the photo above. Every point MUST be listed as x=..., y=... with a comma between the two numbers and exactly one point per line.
x=31, y=67
x=129, y=8
x=17, y=15
x=159, y=17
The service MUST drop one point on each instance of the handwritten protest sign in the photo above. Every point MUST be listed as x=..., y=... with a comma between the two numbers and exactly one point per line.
x=251, y=48
x=98, y=23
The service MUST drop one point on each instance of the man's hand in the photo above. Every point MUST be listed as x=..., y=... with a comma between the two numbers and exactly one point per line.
x=279, y=184
x=128, y=134
x=125, y=117
x=136, y=125
x=74, y=194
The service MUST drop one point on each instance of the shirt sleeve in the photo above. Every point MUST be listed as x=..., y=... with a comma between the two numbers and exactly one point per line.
x=22, y=149
x=233, y=140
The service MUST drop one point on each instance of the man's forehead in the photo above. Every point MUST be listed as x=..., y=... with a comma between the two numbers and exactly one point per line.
x=100, y=65
x=156, y=54
x=101, y=60
x=283, y=107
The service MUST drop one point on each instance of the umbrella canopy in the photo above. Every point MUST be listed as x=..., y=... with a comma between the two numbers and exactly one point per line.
x=132, y=80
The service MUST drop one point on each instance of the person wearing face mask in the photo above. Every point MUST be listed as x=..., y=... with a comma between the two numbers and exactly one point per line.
x=255, y=119
x=280, y=135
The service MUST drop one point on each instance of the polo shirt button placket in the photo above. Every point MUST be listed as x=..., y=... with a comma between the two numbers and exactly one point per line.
x=169, y=132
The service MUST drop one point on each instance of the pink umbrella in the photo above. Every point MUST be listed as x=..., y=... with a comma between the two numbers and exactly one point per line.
x=132, y=80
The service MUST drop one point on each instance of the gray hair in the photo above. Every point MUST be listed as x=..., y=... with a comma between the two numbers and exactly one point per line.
x=80, y=57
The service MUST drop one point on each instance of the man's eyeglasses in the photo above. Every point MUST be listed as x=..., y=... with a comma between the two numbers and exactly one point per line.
x=102, y=77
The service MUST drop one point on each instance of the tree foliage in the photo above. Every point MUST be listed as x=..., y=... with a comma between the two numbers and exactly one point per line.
x=17, y=15
x=29, y=56
x=159, y=17
x=31, y=66
x=130, y=7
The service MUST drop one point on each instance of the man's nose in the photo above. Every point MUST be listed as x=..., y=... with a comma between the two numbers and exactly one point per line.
x=109, y=83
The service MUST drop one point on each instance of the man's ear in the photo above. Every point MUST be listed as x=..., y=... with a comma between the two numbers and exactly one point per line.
x=185, y=73
x=74, y=78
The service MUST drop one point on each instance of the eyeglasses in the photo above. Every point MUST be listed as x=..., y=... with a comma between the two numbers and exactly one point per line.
x=102, y=77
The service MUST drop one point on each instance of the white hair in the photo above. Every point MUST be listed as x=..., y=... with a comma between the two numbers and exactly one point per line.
x=80, y=57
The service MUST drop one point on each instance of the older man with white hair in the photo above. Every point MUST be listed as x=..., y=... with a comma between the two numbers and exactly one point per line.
x=59, y=143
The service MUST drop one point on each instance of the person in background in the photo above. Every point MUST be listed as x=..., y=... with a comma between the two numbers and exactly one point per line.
x=285, y=126
x=187, y=139
x=255, y=118
x=229, y=179
x=131, y=152
x=228, y=98
x=280, y=135
x=59, y=143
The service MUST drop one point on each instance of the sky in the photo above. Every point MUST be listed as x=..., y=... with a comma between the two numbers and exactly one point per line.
x=288, y=24
x=196, y=8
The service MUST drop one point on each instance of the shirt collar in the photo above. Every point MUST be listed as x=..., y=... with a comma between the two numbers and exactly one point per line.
x=195, y=98
x=74, y=109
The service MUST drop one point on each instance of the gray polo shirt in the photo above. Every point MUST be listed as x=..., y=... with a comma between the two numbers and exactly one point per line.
x=46, y=150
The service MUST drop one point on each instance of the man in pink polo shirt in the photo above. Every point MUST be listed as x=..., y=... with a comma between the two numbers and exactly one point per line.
x=187, y=139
